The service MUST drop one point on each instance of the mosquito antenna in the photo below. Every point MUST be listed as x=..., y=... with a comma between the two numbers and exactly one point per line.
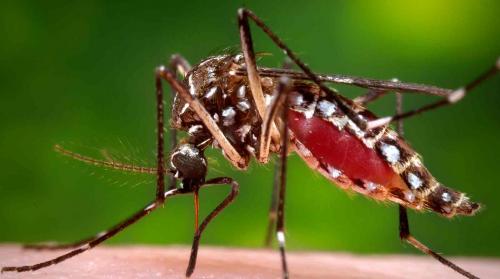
x=105, y=164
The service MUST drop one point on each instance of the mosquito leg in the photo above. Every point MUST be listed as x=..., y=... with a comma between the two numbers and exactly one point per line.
x=172, y=181
x=370, y=96
x=249, y=54
x=404, y=234
x=178, y=65
x=229, y=198
x=399, y=109
x=277, y=209
x=160, y=156
x=94, y=241
x=450, y=99
x=404, y=226
x=253, y=76
x=374, y=94
x=279, y=97
x=280, y=224
x=273, y=208
x=230, y=152
x=57, y=246
x=245, y=14
x=279, y=100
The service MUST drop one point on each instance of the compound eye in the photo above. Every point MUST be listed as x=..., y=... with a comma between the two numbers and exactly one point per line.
x=189, y=163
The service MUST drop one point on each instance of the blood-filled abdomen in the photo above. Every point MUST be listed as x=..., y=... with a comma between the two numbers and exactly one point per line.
x=339, y=149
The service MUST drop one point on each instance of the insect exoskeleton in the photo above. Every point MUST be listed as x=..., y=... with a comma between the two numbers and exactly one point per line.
x=227, y=98
x=376, y=162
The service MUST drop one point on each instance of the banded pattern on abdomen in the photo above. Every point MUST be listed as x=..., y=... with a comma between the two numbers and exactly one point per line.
x=377, y=163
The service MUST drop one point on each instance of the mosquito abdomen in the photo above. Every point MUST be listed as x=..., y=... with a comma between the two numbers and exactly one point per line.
x=376, y=163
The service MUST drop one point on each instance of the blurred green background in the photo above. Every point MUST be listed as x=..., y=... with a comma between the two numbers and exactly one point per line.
x=82, y=74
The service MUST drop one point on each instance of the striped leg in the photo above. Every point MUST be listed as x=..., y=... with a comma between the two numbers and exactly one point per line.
x=404, y=226
x=281, y=92
x=160, y=156
x=450, y=99
x=279, y=103
x=96, y=240
x=280, y=225
x=277, y=209
x=254, y=80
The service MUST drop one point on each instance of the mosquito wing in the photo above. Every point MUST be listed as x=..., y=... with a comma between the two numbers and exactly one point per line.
x=374, y=84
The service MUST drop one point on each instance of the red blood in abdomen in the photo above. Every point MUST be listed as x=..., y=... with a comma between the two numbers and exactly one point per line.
x=341, y=150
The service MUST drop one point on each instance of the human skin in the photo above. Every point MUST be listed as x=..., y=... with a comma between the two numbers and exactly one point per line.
x=170, y=262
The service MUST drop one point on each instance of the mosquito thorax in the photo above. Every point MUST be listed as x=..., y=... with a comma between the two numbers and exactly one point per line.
x=188, y=163
x=228, y=99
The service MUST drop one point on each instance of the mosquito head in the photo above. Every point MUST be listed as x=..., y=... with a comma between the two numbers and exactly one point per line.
x=189, y=164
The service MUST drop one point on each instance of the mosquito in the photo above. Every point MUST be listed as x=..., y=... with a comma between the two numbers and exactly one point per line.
x=246, y=111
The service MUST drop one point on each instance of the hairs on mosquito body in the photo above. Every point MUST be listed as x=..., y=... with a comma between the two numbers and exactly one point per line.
x=220, y=50
x=230, y=50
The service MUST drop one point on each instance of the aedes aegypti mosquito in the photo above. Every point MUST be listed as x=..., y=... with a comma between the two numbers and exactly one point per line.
x=229, y=103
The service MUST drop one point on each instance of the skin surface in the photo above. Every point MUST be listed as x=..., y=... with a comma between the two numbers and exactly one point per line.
x=170, y=262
